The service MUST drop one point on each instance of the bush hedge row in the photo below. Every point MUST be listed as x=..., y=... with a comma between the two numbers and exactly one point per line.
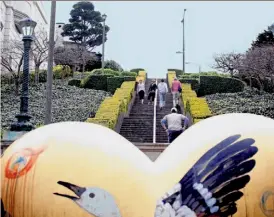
x=192, y=81
x=115, y=82
x=96, y=82
x=170, y=77
x=216, y=84
x=196, y=107
x=110, y=109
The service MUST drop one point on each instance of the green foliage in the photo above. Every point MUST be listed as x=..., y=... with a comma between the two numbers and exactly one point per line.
x=194, y=82
x=125, y=73
x=111, y=64
x=97, y=82
x=74, y=82
x=137, y=70
x=265, y=38
x=86, y=25
x=216, y=84
x=42, y=76
x=129, y=78
x=113, y=83
x=61, y=71
x=105, y=72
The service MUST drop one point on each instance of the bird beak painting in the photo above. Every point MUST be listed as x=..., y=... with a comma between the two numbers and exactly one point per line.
x=78, y=191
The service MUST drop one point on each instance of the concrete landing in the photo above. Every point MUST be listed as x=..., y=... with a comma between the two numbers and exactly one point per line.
x=152, y=150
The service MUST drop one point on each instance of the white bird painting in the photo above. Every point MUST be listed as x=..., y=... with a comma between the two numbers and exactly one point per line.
x=95, y=201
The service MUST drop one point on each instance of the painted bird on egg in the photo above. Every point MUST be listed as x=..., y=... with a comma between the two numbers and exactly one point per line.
x=95, y=201
x=212, y=186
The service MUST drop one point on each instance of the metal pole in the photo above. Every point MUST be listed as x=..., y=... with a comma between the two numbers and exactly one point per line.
x=23, y=119
x=103, y=46
x=200, y=69
x=48, y=109
x=183, y=21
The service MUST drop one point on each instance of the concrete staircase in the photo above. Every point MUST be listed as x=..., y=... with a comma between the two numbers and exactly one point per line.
x=138, y=127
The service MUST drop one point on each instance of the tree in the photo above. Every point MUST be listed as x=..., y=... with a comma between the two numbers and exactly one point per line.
x=12, y=59
x=258, y=64
x=111, y=64
x=39, y=51
x=85, y=27
x=227, y=62
x=263, y=39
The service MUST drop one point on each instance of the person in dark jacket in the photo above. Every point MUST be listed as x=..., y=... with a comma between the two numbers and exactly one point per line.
x=151, y=91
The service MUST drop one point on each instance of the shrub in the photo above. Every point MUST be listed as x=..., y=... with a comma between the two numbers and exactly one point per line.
x=170, y=77
x=198, y=108
x=129, y=78
x=131, y=74
x=74, y=82
x=187, y=93
x=194, y=82
x=61, y=71
x=113, y=83
x=106, y=72
x=110, y=109
x=141, y=76
x=216, y=84
x=97, y=82
x=111, y=64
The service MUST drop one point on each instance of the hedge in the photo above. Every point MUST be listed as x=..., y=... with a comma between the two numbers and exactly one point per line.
x=110, y=109
x=194, y=82
x=178, y=72
x=74, y=82
x=170, y=77
x=97, y=82
x=105, y=72
x=196, y=107
x=216, y=84
x=142, y=75
x=131, y=74
x=113, y=83
x=137, y=70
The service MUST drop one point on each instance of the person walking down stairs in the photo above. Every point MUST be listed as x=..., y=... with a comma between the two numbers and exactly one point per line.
x=176, y=89
x=141, y=91
x=151, y=91
x=172, y=123
x=163, y=90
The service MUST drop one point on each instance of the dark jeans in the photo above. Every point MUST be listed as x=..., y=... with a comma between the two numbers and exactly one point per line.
x=141, y=94
x=172, y=135
x=151, y=95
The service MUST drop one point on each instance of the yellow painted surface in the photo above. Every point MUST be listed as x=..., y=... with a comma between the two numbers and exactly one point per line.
x=90, y=155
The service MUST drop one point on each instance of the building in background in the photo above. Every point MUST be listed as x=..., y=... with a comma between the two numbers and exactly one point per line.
x=11, y=12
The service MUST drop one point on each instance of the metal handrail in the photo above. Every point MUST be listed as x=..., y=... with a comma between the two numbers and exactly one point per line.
x=154, y=115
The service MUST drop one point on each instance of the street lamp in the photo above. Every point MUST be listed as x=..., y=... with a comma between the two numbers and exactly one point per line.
x=104, y=16
x=23, y=119
x=183, y=22
x=196, y=65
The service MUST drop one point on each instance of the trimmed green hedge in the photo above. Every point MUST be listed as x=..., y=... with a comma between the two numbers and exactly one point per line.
x=106, y=72
x=216, y=84
x=125, y=73
x=74, y=82
x=97, y=82
x=115, y=82
x=177, y=71
x=194, y=82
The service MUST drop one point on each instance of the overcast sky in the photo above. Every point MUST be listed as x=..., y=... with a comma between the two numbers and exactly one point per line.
x=148, y=34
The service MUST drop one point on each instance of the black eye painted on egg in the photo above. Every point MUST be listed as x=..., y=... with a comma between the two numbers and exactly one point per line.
x=91, y=195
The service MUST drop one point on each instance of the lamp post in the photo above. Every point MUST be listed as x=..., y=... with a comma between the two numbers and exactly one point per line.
x=104, y=16
x=196, y=65
x=183, y=22
x=23, y=119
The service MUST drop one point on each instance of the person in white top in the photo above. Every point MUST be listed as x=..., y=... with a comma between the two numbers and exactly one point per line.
x=163, y=90
x=141, y=91
x=172, y=123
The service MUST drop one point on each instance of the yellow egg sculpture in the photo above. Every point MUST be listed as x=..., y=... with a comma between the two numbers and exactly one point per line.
x=220, y=167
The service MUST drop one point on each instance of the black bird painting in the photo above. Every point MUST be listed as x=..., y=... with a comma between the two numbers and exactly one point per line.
x=213, y=185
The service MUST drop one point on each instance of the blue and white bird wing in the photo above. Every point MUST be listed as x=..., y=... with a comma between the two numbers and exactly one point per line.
x=212, y=186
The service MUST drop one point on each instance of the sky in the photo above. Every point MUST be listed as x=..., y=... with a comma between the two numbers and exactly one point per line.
x=147, y=34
